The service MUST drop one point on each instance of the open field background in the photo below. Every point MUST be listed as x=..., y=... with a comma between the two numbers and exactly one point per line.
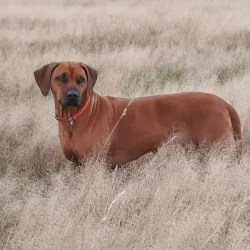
x=163, y=201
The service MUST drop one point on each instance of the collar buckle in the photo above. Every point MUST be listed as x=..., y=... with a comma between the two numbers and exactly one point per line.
x=71, y=121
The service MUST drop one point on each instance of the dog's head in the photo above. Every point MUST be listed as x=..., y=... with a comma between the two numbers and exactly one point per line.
x=69, y=82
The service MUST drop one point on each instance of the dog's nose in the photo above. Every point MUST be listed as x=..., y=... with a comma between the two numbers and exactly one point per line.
x=73, y=94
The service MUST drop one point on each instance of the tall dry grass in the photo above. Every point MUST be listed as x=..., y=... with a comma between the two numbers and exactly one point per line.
x=164, y=201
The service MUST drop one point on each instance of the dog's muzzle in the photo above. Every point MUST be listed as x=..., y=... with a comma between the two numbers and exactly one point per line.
x=71, y=98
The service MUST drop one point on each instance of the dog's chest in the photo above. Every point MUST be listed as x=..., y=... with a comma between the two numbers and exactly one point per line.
x=76, y=147
x=84, y=146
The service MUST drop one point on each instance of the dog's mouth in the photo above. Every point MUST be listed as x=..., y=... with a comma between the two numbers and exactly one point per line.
x=70, y=103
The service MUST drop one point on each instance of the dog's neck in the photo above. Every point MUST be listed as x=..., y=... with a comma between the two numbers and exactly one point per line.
x=67, y=112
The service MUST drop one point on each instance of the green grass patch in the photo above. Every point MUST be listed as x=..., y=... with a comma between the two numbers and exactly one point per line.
x=227, y=73
x=147, y=80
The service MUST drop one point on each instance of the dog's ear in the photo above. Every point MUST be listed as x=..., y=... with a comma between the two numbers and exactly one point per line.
x=43, y=77
x=91, y=75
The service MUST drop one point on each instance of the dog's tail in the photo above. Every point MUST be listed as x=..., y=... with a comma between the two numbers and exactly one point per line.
x=236, y=129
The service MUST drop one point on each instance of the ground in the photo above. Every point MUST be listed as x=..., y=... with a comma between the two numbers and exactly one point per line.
x=167, y=200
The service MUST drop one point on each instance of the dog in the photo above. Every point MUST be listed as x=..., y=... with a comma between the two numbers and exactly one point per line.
x=121, y=130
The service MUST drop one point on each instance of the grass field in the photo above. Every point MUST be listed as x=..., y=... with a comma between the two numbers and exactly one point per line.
x=163, y=201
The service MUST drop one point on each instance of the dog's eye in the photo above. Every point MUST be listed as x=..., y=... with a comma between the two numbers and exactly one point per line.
x=62, y=78
x=81, y=80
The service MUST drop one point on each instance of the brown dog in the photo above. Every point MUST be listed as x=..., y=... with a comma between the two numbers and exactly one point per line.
x=125, y=129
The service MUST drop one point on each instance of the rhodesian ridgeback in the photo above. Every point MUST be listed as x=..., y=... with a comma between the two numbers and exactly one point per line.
x=122, y=129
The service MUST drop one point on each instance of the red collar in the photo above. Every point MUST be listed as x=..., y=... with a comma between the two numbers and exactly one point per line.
x=74, y=117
